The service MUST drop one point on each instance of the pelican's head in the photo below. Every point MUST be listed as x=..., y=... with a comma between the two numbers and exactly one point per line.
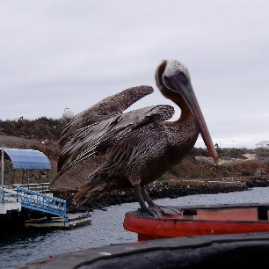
x=173, y=80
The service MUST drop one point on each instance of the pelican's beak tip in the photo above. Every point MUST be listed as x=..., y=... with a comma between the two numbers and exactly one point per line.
x=217, y=161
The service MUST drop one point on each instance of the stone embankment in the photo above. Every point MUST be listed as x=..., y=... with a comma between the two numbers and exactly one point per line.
x=160, y=189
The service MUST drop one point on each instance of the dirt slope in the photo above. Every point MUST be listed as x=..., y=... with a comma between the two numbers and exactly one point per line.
x=191, y=167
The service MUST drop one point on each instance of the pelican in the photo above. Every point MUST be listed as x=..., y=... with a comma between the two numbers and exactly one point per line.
x=140, y=145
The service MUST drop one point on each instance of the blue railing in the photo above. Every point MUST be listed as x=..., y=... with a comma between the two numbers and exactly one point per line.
x=40, y=202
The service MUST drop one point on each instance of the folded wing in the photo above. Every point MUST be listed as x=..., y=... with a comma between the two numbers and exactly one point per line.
x=107, y=108
x=100, y=136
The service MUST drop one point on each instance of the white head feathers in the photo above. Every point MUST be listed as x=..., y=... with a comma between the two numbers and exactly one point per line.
x=173, y=66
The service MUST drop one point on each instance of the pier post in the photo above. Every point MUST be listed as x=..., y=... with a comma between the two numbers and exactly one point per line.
x=3, y=173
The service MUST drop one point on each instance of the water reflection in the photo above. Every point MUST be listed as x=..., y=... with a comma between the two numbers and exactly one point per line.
x=106, y=228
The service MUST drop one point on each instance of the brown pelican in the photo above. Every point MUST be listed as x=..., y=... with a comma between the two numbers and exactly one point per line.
x=140, y=145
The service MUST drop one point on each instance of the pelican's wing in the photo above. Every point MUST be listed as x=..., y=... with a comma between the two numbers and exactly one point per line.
x=107, y=108
x=104, y=110
x=98, y=137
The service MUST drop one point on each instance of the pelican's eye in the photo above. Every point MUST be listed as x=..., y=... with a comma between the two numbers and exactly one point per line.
x=182, y=78
x=168, y=83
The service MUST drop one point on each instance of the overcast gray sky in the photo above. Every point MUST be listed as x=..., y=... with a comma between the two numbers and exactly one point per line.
x=56, y=54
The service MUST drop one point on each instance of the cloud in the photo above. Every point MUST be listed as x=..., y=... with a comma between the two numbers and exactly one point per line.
x=58, y=54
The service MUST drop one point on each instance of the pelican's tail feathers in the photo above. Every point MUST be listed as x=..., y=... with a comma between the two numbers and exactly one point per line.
x=91, y=191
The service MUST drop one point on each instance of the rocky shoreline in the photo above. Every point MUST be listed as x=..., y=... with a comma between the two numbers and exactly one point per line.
x=172, y=189
x=161, y=189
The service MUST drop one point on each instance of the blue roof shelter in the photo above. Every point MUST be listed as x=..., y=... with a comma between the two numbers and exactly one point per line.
x=27, y=160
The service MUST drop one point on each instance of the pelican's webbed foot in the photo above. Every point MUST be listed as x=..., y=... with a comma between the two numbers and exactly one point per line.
x=153, y=211
x=163, y=210
x=158, y=211
x=169, y=210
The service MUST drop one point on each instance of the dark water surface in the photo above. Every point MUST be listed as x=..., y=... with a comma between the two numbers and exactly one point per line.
x=106, y=228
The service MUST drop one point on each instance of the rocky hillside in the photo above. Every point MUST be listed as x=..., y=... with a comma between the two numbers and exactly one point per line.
x=42, y=134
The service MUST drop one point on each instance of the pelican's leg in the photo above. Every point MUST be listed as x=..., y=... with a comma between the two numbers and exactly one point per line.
x=158, y=212
x=138, y=194
x=147, y=198
x=160, y=209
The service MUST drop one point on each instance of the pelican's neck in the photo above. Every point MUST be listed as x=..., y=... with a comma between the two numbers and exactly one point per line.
x=186, y=114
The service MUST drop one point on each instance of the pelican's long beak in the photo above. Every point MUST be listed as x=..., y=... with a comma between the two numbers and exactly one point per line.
x=182, y=85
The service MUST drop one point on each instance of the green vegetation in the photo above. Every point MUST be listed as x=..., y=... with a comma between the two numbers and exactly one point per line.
x=195, y=174
x=199, y=152
x=222, y=152
x=41, y=128
x=174, y=171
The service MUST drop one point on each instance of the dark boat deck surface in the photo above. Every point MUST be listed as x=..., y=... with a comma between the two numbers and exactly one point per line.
x=213, y=251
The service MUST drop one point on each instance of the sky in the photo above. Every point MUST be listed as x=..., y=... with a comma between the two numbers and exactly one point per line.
x=58, y=54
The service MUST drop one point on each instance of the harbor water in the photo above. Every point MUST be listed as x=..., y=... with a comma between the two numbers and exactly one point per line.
x=107, y=228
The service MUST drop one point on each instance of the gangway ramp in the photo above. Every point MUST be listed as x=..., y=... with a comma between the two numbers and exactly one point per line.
x=32, y=199
x=40, y=202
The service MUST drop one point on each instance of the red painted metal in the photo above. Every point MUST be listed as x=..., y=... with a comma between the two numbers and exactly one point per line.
x=204, y=221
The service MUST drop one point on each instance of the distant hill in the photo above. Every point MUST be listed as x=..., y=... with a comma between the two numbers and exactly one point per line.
x=43, y=134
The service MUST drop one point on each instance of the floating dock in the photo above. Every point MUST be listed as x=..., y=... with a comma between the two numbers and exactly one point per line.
x=70, y=221
x=35, y=198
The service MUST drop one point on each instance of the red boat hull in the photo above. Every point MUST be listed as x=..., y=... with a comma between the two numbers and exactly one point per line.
x=207, y=220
